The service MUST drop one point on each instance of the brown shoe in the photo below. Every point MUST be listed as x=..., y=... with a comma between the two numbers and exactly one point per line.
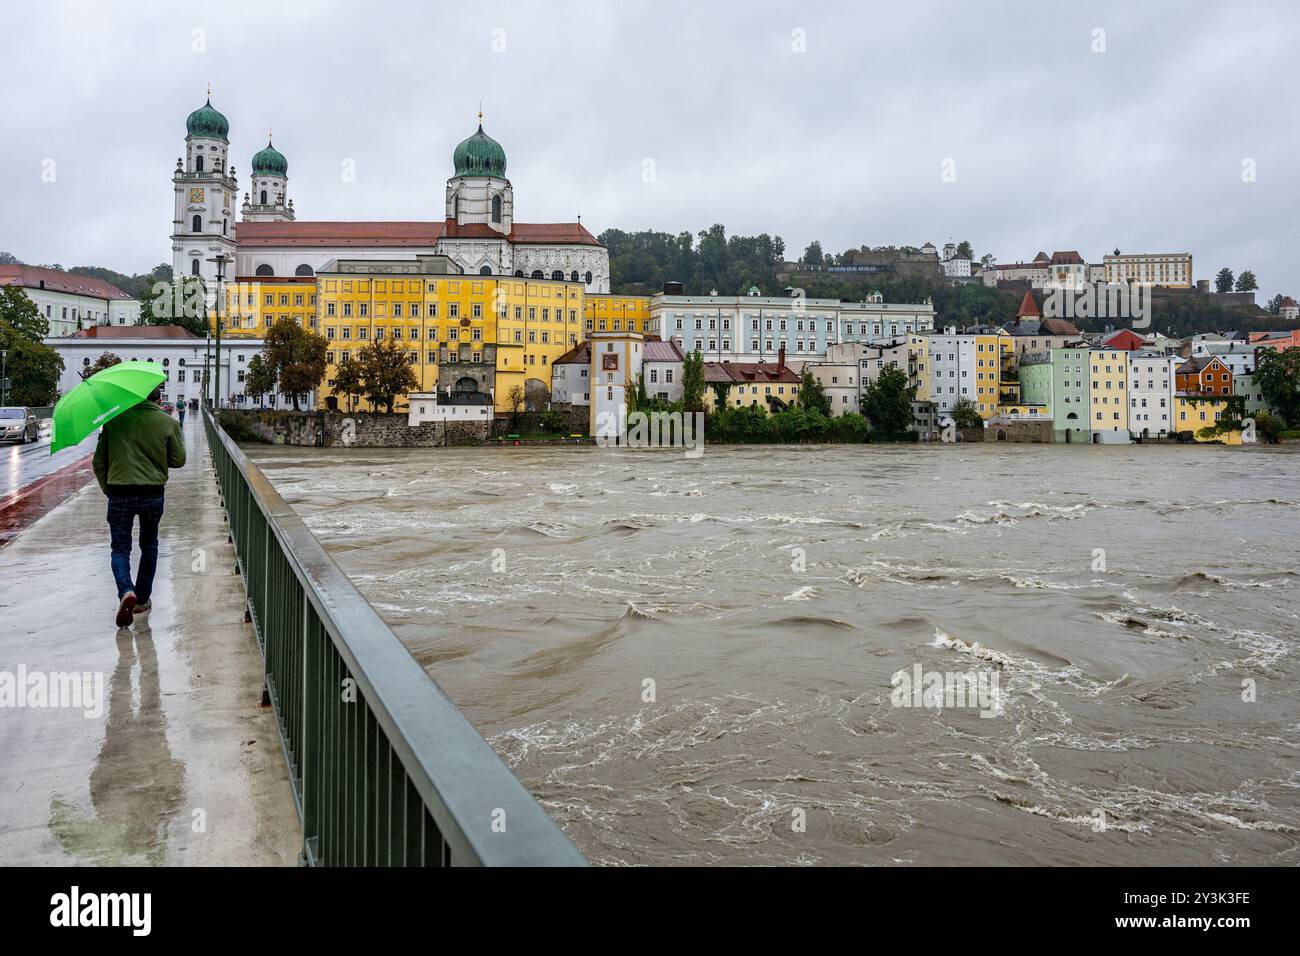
x=125, y=609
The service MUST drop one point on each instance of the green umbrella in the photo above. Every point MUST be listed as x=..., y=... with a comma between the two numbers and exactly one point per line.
x=101, y=398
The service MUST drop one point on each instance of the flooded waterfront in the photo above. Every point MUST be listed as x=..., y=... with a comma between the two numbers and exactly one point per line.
x=770, y=593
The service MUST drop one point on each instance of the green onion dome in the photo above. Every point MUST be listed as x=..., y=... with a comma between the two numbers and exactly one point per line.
x=480, y=155
x=270, y=162
x=206, y=121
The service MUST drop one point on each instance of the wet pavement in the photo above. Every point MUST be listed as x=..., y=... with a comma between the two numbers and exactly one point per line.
x=160, y=753
x=23, y=464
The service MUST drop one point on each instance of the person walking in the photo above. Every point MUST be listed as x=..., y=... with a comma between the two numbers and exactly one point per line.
x=180, y=413
x=131, y=462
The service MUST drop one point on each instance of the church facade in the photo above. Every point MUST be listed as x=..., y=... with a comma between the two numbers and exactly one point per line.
x=478, y=231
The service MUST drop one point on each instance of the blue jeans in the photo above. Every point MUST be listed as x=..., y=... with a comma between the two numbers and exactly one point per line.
x=122, y=512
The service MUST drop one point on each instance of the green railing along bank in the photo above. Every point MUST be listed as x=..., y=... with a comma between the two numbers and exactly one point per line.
x=385, y=770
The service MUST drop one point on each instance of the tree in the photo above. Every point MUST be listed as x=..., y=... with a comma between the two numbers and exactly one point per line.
x=33, y=368
x=386, y=373
x=965, y=414
x=887, y=402
x=1275, y=304
x=349, y=379
x=778, y=250
x=693, y=382
x=105, y=360
x=259, y=378
x=21, y=314
x=813, y=396
x=182, y=302
x=297, y=356
x=813, y=254
x=515, y=399
x=964, y=249
x=1223, y=281
x=1246, y=281
x=1277, y=373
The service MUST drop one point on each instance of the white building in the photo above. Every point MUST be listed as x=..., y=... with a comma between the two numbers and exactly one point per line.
x=70, y=302
x=952, y=370
x=755, y=328
x=1151, y=393
x=571, y=376
x=661, y=370
x=476, y=225
x=954, y=264
x=616, y=358
x=1150, y=268
x=448, y=407
x=183, y=356
x=1240, y=357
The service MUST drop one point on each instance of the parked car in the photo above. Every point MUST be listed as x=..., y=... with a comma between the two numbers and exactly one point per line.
x=168, y=407
x=17, y=423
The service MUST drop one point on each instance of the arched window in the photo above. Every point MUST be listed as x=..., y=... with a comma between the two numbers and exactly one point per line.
x=537, y=274
x=303, y=270
x=263, y=197
x=180, y=361
x=166, y=362
x=496, y=208
x=573, y=276
x=224, y=224
x=485, y=271
x=197, y=224
x=519, y=273
x=194, y=267
x=264, y=270
x=198, y=164
x=587, y=279
x=557, y=275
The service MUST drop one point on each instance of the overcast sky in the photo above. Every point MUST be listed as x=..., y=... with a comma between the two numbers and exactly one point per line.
x=829, y=121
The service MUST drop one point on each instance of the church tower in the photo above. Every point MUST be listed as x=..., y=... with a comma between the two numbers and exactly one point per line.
x=204, y=222
x=478, y=191
x=266, y=201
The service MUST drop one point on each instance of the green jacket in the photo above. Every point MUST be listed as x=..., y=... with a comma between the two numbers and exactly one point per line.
x=135, y=450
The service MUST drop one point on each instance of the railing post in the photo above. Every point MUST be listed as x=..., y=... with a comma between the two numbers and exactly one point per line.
x=309, y=760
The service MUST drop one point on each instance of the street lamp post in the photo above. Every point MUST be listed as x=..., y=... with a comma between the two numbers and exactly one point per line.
x=220, y=260
x=4, y=376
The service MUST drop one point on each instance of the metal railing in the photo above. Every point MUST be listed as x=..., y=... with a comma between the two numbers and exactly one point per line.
x=386, y=771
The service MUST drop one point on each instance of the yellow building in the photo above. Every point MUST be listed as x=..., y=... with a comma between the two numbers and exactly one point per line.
x=531, y=322
x=918, y=365
x=995, y=355
x=1108, y=388
x=616, y=313
x=1194, y=412
x=252, y=306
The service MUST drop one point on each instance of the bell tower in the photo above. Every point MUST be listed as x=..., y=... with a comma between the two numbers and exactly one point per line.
x=205, y=186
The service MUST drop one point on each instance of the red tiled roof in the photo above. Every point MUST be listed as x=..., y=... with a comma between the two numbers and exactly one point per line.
x=135, y=332
x=398, y=235
x=1028, y=307
x=749, y=372
x=580, y=354
x=1123, y=339
x=34, y=277
x=1069, y=257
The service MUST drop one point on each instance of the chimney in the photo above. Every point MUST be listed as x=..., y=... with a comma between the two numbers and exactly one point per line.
x=780, y=358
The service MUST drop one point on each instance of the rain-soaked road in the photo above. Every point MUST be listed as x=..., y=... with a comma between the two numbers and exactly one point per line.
x=23, y=464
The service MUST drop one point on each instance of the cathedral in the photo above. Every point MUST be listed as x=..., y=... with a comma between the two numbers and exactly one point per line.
x=478, y=232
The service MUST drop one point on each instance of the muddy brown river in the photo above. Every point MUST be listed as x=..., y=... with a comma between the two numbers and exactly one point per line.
x=692, y=661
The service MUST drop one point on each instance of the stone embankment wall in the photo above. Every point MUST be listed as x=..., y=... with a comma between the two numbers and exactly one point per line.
x=359, y=429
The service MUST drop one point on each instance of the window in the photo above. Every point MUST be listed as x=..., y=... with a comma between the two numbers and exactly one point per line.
x=194, y=270
x=263, y=200
x=557, y=276
x=587, y=278
x=303, y=270
x=197, y=224
x=264, y=270
x=496, y=213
